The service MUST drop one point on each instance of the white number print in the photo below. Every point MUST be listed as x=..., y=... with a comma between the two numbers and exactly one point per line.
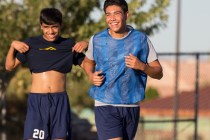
x=38, y=134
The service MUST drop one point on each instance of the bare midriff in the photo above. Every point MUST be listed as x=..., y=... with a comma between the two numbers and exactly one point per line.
x=48, y=82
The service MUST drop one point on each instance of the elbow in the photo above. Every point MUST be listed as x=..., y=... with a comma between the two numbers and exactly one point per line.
x=8, y=68
x=160, y=75
x=82, y=65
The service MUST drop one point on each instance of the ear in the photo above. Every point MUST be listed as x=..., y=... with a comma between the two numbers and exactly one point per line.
x=126, y=15
x=41, y=26
x=61, y=25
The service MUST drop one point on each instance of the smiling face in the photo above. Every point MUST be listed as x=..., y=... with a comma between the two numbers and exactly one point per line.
x=50, y=32
x=116, y=20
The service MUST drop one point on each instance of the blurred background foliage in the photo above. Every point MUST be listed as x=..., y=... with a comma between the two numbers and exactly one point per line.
x=19, y=19
x=151, y=93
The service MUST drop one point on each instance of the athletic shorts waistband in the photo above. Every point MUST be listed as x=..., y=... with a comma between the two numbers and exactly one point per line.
x=47, y=93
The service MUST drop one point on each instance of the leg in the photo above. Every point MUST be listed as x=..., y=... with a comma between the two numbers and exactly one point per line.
x=131, y=121
x=36, y=124
x=116, y=138
x=108, y=123
x=60, y=116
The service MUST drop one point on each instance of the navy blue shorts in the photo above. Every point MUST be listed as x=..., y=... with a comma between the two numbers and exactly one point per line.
x=48, y=117
x=114, y=122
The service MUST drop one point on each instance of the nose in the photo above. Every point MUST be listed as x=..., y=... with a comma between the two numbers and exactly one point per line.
x=112, y=17
x=51, y=30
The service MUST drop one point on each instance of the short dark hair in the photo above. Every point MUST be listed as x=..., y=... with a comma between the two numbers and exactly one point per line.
x=122, y=3
x=50, y=16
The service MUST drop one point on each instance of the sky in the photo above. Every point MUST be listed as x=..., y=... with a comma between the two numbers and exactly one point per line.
x=194, y=28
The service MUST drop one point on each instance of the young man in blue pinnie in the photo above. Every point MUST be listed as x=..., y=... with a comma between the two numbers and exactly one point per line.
x=117, y=62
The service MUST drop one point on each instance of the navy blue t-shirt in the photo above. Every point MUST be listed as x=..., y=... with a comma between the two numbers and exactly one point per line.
x=44, y=55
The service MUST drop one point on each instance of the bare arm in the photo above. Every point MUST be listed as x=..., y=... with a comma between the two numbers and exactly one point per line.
x=11, y=61
x=153, y=69
x=94, y=76
x=80, y=46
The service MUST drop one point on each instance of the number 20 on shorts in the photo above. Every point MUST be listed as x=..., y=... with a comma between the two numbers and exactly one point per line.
x=38, y=134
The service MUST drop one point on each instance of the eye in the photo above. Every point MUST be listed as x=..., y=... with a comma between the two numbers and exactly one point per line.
x=107, y=14
x=55, y=27
x=117, y=13
x=45, y=26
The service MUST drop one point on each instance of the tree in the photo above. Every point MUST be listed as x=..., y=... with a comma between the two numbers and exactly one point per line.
x=151, y=93
x=146, y=16
x=21, y=20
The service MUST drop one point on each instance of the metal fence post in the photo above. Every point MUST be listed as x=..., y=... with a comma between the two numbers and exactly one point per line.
x=196, y=97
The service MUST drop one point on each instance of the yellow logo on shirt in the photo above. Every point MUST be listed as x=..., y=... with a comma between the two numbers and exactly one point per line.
x=48, y=49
